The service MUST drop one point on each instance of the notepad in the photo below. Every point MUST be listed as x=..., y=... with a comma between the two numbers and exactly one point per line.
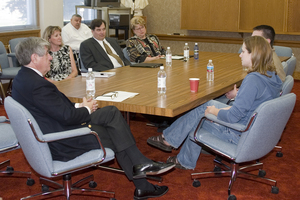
x=147, y=65
x=101, y=74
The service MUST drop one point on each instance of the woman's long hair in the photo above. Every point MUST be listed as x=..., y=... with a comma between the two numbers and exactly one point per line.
x=261, y=55
x=50, y=31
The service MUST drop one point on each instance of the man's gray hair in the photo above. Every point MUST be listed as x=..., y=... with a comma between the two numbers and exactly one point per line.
x=76, y=15
x=29, y=46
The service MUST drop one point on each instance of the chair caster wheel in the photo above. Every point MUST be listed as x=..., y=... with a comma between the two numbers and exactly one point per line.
x=275, y=190
x=196, y=183
x=30, y=182
x=261, y=173
x=231, y=197
x=217, y=169
x=112, y=199
x=92, y=184
x=279, y=154
x=45, y=188
x=10, y=170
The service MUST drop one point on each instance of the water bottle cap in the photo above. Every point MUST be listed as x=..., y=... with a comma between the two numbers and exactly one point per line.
x=161, y=67
x=168, y=47
x=196, y=43
x=210, y=61
x=186, y=43
x=90, y=69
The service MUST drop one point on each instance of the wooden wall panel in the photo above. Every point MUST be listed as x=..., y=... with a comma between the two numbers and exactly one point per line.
x=258, y=12
x=209, y=15
x=293, y=18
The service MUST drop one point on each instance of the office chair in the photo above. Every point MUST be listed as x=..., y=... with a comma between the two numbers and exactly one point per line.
x=6, y=72
x=8, y=143
x=291, y=63
x=285, y=67
x=11, y=48
x=36, y=150
x=280, y=51
x=125, y=52
x=258, y=138
x=82, y=68
x=287, y=87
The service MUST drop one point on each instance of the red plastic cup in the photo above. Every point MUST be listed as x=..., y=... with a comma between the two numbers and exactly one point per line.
x=194, y=83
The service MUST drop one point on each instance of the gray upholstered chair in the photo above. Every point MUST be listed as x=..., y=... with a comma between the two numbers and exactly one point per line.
x=9, y=142
x=279, y=50
x=287, y=85
x=291, y=63
x=82, y=68
x=125, y=52
x=283, y=51
x=6, y=72
x=11, y=47
x=258, y=138
x=285, y=67
x=36, y=150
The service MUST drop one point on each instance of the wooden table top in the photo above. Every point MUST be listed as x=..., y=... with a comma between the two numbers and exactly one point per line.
x=178, y=98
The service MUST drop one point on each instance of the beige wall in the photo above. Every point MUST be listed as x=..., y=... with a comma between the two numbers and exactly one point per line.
x=163, y=17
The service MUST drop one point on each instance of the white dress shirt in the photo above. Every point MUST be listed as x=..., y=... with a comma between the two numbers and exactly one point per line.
x=73, y=37
x=113, y=60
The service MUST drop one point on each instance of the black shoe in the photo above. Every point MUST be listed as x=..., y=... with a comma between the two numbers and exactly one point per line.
x=173, y=159
x=158, y=142
x=144, y=194
x=154, y=168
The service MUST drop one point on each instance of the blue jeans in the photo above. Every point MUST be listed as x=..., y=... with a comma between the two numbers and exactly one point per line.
x=182, y=130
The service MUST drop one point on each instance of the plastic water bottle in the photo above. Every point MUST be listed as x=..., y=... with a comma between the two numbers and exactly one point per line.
x=90, y=84
x=196, y=51
x=186, y=52
x=161, y=81
x=168, y=57
x=210, y=71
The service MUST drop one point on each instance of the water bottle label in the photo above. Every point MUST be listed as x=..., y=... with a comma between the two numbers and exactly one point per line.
x=186, y=53
x=210, y=68
x=161, y=82
x=90, y=84
x=169, y=58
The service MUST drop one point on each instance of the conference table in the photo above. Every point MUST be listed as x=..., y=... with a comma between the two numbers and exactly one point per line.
x=178, y=98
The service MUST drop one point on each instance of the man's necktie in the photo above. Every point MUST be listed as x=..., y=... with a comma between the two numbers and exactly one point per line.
x=109, y=52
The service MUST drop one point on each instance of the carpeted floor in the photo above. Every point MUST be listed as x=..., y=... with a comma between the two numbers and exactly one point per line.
x=284, y=170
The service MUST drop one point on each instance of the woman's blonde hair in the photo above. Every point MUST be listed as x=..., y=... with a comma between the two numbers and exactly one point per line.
x=49, y=31
x=261, y=54
x=137, y=21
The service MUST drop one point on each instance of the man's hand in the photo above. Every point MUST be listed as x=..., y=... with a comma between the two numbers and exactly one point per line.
x=212, y=110
x=232, y=94
x=92, y=104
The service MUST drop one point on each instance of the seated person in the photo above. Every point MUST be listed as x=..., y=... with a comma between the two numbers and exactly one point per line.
x=261, y=84
x=62, y=64
x=143, y=47
x=75, y=32
x=269, y=33
x=54, y=112
x=101, y=53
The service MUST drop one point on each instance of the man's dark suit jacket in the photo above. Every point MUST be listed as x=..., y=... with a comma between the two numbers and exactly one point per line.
x=94, y=56
x=53, y=111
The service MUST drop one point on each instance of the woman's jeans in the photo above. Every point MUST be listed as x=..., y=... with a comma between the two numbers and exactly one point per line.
x=182, y=130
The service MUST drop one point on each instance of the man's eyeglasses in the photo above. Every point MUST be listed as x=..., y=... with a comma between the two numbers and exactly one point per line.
x=112, y=95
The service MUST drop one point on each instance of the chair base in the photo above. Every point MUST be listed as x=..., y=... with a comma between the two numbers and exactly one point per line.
x=68, y=189
x=235, y=171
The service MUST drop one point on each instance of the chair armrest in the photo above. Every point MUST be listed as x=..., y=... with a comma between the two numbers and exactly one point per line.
x=65, y=134
x=3, y=119
x=235, y=126
x=11, y=55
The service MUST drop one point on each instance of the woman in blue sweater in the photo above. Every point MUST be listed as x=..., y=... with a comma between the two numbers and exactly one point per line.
x=260, y=85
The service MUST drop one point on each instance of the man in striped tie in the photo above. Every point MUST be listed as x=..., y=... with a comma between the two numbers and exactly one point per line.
x=99, y=52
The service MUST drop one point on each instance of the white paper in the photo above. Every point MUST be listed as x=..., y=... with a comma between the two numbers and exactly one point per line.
x=100, y=74
x=174, y=57
x=121, y=96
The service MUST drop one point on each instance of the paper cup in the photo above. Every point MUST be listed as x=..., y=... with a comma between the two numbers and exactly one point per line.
x=194, y=83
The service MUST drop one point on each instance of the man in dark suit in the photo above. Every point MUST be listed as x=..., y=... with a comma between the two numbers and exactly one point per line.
x=101, y=53
x=54, y=112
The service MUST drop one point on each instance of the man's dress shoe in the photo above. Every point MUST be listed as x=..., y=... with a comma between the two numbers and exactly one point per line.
x=154, y=168
x=144, y=194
